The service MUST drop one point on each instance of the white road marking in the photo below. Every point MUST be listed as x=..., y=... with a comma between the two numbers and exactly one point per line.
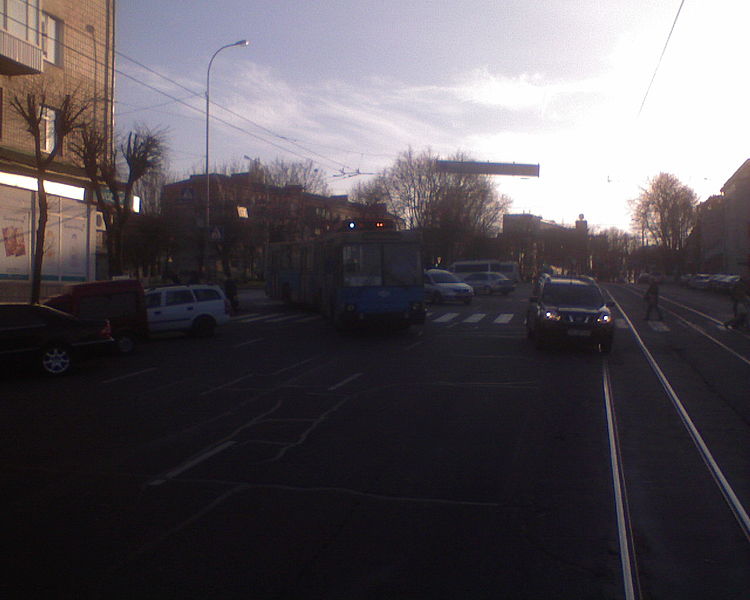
x=658, y=326
x=504, y=319
x=620, y=323
x=248, y=342
x=241, y=318
x=446, y=317
x=191, y=463
x=344, y=382
x=129, y=375
x=284, y=318
x=259, y=318
x=475, y=318
x=308, y=319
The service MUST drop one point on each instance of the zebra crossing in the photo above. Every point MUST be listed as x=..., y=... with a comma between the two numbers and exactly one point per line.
x=439, y=318
x=436, y=317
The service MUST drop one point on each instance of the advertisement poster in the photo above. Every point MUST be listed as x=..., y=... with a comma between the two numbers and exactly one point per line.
x=15, y=228
x=51, y=263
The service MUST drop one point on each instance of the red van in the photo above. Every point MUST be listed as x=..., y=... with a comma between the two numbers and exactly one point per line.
x=121, y=301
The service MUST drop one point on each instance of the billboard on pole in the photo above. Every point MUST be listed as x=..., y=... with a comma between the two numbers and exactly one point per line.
x=487, y=168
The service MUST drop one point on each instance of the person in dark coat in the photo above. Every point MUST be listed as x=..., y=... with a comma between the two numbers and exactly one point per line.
x=652, y=299
x=742, y=306
x=230, y=289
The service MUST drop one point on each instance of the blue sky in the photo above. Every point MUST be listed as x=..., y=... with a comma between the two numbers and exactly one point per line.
x=351, y=84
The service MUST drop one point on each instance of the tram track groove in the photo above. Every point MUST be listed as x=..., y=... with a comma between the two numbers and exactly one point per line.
x=738, y=510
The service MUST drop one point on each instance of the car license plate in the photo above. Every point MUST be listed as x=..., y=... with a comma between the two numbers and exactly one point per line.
x=579, y=332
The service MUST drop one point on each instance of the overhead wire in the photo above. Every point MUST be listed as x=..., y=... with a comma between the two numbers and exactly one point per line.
x=172, y=98
x=661, y=56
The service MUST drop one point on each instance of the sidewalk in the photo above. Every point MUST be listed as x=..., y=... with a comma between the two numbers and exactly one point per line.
x=251, y=299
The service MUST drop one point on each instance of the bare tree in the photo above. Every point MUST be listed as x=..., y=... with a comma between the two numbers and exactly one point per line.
x=280, y=173
x=37, y=105
x=142, y=151
x=453, y=210
x=666, y=212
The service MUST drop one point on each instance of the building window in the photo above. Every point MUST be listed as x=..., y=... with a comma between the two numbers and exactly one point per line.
x=20, y=18
x=48, y=129
x=52, y=30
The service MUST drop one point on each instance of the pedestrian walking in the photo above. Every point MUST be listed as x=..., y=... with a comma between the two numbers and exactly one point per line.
x=230, y=289
x=742, y=307
x=651, y=298
x=738, y=291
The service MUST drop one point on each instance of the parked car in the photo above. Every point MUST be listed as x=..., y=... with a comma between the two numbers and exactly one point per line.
x=194, y=309
x=569, y=308
x=120, y=301
x=50, y=339
x=489, y=283
x=700, y=281
x=441, y=286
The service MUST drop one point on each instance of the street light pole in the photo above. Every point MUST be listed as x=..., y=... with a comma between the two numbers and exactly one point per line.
x=208, y=186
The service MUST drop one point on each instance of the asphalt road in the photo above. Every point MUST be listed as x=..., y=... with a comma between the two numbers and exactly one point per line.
x=281, y=459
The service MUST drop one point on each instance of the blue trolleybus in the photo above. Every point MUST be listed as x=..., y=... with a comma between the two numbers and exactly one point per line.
x=367, y=273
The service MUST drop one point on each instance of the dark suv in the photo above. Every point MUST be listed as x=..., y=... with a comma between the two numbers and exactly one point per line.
x=568, y=308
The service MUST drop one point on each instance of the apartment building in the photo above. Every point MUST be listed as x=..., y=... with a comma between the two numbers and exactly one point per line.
x=244, y=216
x=56, y=49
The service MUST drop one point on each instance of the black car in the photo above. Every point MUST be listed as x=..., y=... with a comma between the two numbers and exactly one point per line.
x=570, y=308
x=49, y=339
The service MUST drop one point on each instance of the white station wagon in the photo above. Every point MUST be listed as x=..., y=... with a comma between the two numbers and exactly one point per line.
x=195, y=309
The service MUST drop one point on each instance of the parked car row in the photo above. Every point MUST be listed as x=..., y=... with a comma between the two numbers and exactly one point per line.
x=101, y=316
x=444, y=286
x=717, y=282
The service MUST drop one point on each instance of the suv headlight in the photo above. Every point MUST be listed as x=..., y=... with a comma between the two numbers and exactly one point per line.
x=551, y=315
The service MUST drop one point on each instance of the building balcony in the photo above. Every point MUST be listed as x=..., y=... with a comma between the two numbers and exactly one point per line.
x=18, y=57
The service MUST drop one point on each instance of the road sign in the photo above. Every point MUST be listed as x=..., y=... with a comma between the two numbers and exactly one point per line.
x=487, y=168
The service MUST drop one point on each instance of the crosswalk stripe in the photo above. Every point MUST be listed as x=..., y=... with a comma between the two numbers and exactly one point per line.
x=475, y=318
x=446, y=317
x=284, y=318
x=259, y=318
x=504, y=319
x=658, y=326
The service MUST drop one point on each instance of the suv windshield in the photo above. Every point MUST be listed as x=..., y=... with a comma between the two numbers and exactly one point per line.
x=572, y=295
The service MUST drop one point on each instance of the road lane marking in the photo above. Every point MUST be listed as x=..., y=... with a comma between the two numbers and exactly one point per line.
x=129, y=375
x=284, y=318
x=248, y=342
x=344, y=382
x=475, y=318
x=191, y=463
x=504, y=319
x=446, y=317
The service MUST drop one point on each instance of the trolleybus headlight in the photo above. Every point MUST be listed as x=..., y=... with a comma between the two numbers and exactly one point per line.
x=604, y=319
x=551, y=315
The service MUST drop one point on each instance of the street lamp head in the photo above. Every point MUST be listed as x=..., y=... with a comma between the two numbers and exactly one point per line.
x=241, y=43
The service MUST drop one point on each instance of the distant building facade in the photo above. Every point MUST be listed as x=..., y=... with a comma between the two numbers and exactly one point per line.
x=61, y=47
x=536, y=243
x=721, y=240
x=245, y=215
